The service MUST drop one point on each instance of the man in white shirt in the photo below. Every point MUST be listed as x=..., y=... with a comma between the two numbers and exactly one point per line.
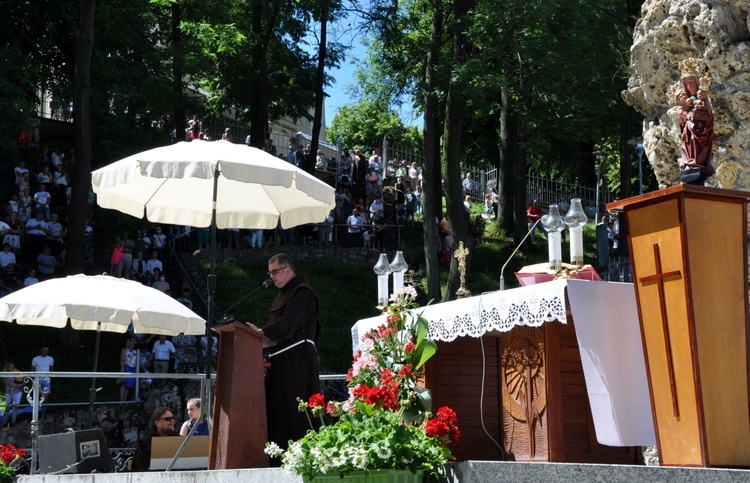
x=152, y=263
x=44, y=363
x=163, y=350
x=354, y=227
x=159, y=240
x=36, y=236
x=467, y=184
x=7, y=258
x=376, y=206
x=19, y=171
x=374, y=162
x=42, y=199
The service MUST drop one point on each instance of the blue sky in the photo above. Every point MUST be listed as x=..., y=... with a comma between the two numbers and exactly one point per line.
x=344, y=76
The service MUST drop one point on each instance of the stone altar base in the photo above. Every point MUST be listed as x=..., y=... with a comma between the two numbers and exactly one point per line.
x=465, y=472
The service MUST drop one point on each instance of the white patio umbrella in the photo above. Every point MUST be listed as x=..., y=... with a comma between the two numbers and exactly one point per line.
x=216, y=184
x=98, y=303
x=101, y=303
x=178, y=184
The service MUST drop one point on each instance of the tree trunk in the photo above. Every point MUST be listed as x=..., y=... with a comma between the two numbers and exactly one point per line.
x=258, y=80
x=180, y=121
x=626, y=155
x=319, y=95
x=520, y=172
x=505, y=170
x=431, y=164
x=455, y=109
x=82, y=128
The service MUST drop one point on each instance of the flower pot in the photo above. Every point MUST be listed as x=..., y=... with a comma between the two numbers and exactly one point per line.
x=377, y=476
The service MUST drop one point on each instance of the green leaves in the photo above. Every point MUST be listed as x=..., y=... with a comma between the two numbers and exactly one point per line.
x=425, y=348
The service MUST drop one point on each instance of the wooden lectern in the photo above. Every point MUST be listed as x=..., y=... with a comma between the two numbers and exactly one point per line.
x=239, y=433
x=689, y=257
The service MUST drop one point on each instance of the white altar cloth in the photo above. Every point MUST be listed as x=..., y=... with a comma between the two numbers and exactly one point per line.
x=474, y=316
x=608, y=337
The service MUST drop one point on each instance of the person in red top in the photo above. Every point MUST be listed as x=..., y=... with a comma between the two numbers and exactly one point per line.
x=533, y=214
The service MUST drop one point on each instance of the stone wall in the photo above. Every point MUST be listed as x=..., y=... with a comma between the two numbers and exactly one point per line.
x=718, y=32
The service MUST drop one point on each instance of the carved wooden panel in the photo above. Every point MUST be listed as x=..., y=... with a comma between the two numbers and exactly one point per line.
x=522, y=368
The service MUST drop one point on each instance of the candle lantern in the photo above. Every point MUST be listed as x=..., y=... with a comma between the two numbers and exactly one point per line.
x=575, y=218
x=382, y=269
x=554, y=224
x=398, y=267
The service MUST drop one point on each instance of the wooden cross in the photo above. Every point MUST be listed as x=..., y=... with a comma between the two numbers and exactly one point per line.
x=460, y=255
x=659, y=277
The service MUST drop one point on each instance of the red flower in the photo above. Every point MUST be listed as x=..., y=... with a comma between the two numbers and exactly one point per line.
x=409, y=347
x=405, y=372
x=443, y=426
x=436, y=428
x=349, y=374
x=8, y=453
x=447, y=414
x=316, y=401
x=384, y=331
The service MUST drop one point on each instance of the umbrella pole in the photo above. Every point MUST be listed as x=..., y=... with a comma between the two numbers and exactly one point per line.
x=92, y=390
x=211, y=282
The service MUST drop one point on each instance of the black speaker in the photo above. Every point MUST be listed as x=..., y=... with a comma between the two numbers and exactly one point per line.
x=75, y=452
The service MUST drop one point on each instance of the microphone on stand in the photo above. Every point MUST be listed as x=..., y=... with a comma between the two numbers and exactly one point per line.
x=502, y=279
x=267, y=283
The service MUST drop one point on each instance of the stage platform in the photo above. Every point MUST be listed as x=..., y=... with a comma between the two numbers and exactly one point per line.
x=465, y=472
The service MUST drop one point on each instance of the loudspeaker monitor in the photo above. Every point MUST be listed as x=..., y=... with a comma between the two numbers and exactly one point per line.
x=75, y=452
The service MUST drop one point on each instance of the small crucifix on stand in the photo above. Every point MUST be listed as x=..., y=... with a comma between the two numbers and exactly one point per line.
x=460, y=255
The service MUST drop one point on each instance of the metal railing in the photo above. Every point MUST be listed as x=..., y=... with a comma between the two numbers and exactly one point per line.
x=36, y=394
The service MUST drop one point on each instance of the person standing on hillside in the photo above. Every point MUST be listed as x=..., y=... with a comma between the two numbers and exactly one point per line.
x=44, y=363
x=291, y=332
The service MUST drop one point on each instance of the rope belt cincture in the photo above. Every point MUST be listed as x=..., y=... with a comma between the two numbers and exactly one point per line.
x=293, y=345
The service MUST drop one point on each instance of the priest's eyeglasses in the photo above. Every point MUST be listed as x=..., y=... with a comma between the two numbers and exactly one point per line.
x=273, y=272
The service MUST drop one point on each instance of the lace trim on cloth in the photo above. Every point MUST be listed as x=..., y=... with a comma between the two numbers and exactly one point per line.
x=502, y=310
x=532, y=305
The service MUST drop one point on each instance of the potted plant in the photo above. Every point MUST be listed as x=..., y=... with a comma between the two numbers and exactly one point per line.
x=11, y=459
x=385, y=431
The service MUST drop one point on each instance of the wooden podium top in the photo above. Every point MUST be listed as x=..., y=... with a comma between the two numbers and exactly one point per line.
x=678, y=191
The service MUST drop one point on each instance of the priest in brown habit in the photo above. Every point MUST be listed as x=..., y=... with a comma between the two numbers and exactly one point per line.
x=292, y=331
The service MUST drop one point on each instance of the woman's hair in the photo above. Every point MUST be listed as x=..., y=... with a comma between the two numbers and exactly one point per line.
x=196, y=401
x=8, y=364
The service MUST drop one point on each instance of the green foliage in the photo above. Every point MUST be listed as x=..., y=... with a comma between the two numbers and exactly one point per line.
x=365, y=124
x=365, y=440
x=7, y=473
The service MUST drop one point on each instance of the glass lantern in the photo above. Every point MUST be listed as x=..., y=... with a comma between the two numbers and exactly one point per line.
x=575, y=218
x=554, y=225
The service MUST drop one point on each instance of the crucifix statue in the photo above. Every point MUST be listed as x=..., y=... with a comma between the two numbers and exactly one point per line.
x=460, y=255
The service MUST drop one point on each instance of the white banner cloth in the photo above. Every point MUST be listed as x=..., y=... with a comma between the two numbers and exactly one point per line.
x=609, y=338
